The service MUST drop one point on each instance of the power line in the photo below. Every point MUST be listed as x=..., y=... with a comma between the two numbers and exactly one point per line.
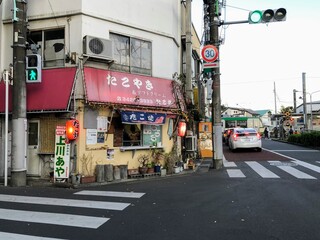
x=243, y=9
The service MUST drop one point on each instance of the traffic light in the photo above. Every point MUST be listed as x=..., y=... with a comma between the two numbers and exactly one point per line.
x=72, y=129
x=266, y=16
x=33, y=68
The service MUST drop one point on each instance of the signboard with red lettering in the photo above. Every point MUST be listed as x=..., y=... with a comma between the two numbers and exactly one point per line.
x=61, y=155
x=104, y=86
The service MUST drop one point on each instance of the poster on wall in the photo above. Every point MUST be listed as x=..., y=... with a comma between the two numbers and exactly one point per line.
x=152, y=135
x=91, y=137
x=110, y=154
x=100, y=137
x=61, y=155
x=102, y=123
x=205, y=139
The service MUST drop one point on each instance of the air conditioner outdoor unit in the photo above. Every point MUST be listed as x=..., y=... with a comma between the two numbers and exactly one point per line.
x=191, y=143
x=98, y=47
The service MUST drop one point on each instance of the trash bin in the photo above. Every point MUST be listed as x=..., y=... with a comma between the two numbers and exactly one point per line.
x=116, y=173
x=123, y=171
x=100, y=173
x=108, y=172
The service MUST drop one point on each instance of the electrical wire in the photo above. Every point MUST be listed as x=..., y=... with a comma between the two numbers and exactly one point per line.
x=55, y=18
x=243, y=9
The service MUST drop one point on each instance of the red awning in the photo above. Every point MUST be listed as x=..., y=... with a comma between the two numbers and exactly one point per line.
x=52, y=94
x=110, y=87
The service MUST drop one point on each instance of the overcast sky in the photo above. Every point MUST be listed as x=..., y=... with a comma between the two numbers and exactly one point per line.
x=255, y=56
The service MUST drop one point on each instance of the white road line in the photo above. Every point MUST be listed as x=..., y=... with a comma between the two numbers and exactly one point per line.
x=235, y=173
x=307, y=165
x=64, y=202
x=313, y=150
x=14, y=236
x=228, y=164
x=52, y=218
x=111, y=194
x=261, y=170
x=292, y=171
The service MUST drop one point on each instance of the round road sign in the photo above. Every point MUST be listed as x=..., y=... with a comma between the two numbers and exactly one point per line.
x=209, y=53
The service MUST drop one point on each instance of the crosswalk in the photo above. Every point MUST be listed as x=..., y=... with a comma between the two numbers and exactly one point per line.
x=273, y=169
x=62, y=219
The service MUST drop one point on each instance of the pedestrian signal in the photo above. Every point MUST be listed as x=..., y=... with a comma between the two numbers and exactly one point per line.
x=33, y=68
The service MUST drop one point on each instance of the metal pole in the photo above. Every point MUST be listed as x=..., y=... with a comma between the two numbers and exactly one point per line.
x=311, y=125
x=6, y=128
x=216, y=97
x=275, y=97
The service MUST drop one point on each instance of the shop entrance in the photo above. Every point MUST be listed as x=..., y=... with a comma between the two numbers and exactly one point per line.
x=33, y=160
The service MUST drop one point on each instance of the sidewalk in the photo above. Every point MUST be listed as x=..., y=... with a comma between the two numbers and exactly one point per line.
x=41, y=182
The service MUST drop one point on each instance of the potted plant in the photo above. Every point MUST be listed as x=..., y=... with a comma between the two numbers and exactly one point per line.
x=157, y=156
x=143, y=160
x=87, y=170
x=150, y=167
x=170, y=161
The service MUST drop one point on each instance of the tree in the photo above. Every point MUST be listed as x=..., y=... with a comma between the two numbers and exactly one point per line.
x=284, y=109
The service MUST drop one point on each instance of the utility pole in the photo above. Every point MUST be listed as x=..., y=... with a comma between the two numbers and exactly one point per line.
x=216, y=97
x=275, y=97
x=294, y=100
x=305, y=110
x=189, y=89
x=19, y=112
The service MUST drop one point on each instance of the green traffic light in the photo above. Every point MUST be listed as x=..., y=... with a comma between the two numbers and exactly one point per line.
x=255, y=16
x=267, y=16
x=32, y=75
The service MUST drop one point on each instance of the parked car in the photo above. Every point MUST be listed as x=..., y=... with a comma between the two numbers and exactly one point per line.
x=226, y=135
x=245, y=138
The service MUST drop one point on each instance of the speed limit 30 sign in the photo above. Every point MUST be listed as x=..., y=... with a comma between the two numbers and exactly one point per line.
x=209, y=53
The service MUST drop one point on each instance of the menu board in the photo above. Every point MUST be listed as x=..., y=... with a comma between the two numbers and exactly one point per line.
x=152, y=135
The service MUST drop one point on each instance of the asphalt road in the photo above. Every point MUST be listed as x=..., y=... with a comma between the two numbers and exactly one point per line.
x=253, y=155
x=195, y=206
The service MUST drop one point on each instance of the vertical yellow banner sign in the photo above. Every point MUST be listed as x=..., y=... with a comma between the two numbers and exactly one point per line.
x=205, y=139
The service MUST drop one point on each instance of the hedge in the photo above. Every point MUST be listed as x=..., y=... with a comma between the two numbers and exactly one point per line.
x=311, y=139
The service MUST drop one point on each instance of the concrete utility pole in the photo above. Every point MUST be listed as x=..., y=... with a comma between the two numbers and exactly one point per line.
x=305, y=110
x=216, y=97
x=19, y=112
x=294, y=100
x=189, y=89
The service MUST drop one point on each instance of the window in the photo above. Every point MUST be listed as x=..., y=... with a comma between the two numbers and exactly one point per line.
x=137, y=135
x=131, y=135
x=131, y=54
x=33, y=133
x=52, y=44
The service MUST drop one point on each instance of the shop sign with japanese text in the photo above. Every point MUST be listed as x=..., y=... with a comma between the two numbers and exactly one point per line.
x=61, y=154
x=143, y=117
x=104, y=86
